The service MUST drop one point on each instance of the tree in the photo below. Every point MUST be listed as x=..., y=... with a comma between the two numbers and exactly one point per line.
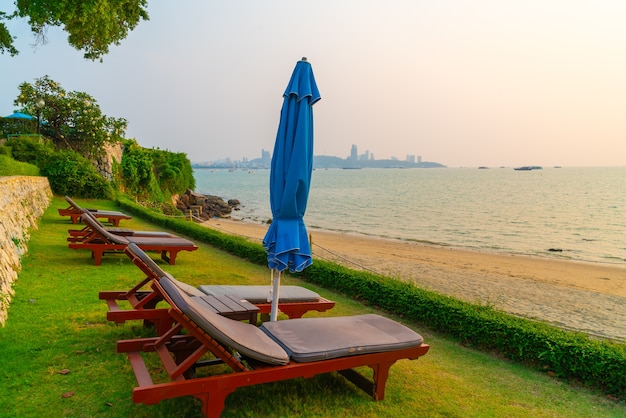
x=6, y=40
x=92, y=26
x=136, y=168
x=71, y=118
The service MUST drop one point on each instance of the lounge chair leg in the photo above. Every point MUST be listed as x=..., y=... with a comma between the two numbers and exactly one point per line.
x=97, y=257
x=213, y=403
x=376, y=387
x=381, y=373
x=172, y=258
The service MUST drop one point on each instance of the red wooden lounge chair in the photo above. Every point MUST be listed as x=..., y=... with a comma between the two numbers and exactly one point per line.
x=78, y=235
x=275, y=351
x=100, y=241
x=294, y=301
x=74, y=212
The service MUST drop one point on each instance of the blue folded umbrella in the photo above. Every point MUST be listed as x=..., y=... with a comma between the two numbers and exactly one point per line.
x=286, y=241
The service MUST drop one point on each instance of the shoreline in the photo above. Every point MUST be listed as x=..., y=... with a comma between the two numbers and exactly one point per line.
x=572, y=294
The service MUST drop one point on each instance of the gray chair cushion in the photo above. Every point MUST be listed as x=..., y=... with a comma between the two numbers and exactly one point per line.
x=152, y=241
x=260, y=294
x=247, y=339
x=127, y=232
x=313, y=339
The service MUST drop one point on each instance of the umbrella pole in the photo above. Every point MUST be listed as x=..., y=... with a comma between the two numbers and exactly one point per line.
x=275, y=294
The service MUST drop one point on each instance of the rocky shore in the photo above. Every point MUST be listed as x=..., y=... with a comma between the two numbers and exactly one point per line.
x=205, y=207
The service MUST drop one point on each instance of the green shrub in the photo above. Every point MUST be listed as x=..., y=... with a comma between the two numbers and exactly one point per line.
x=135, y=169
x=69, y=173
x=173, y=171
x=153, y=176
x=31, y=149
x=168, y=208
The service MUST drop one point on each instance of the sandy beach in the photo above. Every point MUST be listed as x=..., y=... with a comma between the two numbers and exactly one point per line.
x=588, y=297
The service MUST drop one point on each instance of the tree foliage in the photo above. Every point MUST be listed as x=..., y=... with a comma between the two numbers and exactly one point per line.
x=153, y=175
x=73, y=118
x=69, y=173
x=136, y=167
x=92, y=26
x=173, y=171
x=6, y=40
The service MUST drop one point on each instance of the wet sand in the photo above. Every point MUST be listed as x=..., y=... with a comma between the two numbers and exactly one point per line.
x=589, y=297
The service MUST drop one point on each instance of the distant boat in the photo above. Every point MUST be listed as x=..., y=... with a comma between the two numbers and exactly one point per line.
x=528, y=168
x=482, y=167
x=351, y=168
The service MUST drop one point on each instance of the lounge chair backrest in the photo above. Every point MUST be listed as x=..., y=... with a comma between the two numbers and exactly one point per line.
x=72, y=203
x=158, y=272
x=245, y=338
x=147, y=261
x=93, y=219
x=188, y=289
x=90, y=220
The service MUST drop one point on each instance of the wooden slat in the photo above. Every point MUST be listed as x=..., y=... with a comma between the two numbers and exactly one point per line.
x=139, y=368
x=113, y=306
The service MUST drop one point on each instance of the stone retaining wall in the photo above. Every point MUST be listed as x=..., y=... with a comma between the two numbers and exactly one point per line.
x=22, y=201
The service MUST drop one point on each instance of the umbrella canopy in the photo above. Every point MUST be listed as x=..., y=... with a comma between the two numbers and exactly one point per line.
x=286, y=242
x=19, y=115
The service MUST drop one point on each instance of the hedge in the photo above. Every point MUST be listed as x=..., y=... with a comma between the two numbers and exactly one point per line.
x=569, y=355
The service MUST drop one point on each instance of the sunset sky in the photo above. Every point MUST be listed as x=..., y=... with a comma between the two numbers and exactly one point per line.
x=463, y=83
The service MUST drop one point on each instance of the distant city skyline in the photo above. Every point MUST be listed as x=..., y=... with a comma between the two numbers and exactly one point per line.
x=353, y=160
x=266, y=157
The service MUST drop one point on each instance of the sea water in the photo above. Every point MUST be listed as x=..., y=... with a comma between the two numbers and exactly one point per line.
x=566, y=213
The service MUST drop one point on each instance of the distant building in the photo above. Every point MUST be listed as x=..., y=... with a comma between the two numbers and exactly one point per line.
x=410, y=158
x=354, y=153
x=266, y=158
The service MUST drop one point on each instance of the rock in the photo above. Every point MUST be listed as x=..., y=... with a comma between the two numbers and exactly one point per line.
x=205, y=206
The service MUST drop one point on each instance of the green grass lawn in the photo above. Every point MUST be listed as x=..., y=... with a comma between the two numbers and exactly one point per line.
x=10, y=167
x=57, y=351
